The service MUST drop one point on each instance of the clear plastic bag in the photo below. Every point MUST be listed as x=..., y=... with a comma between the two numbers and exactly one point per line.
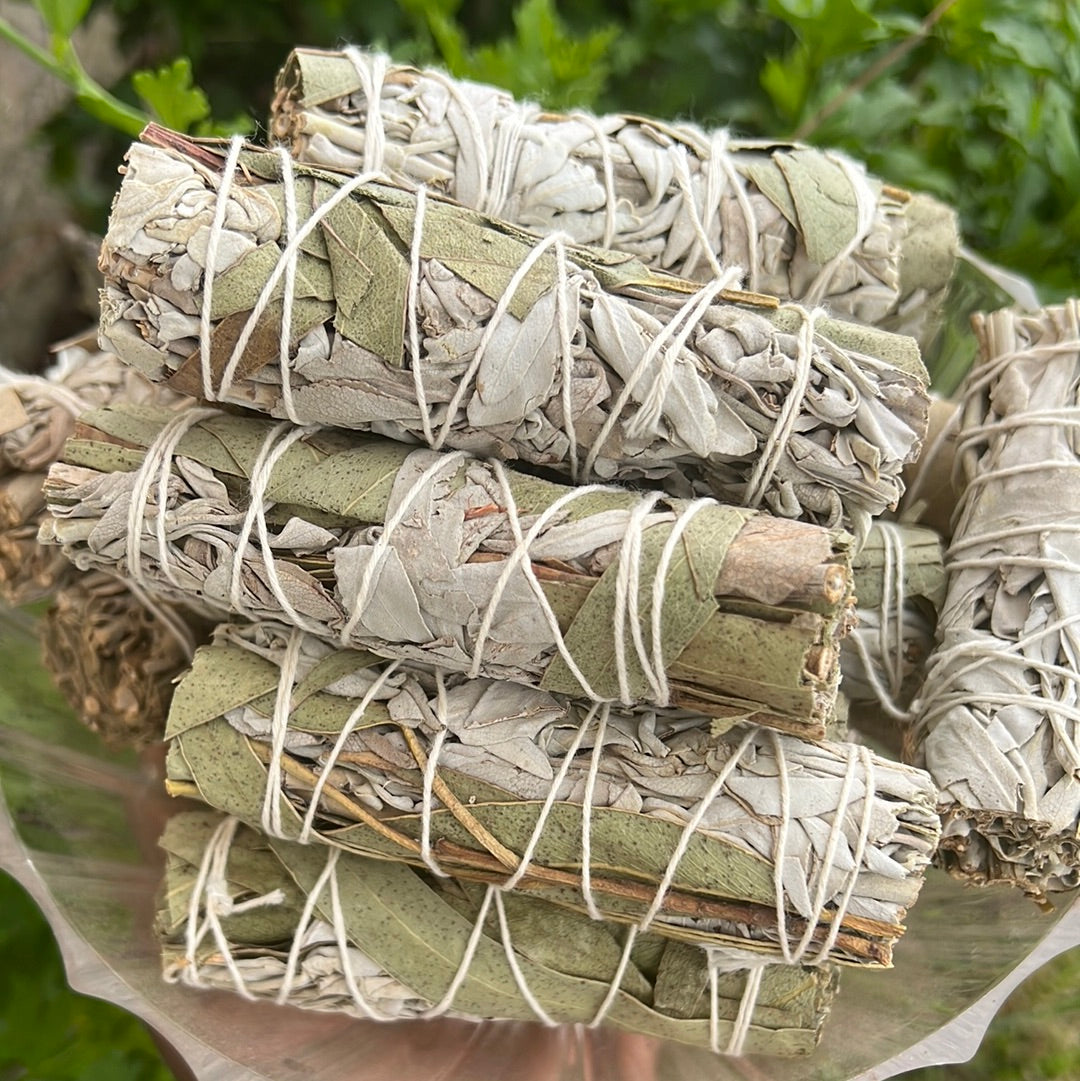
x=79, y=825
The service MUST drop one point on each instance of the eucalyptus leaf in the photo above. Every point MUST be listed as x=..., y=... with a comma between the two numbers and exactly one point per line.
x=406, y=935
x=416, y=555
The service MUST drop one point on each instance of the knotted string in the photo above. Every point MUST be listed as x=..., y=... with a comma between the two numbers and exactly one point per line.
x=279, y=724
x=607, y=170
x=724, y=959
x=285, y=267
x=720, y=960
x=156, y=466
x=371, y=70
x=347, y=730
x=276, y=443
x=210, y=896
x=685, y=319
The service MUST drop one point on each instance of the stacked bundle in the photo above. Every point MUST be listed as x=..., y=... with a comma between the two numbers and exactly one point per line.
x=343, y=301
x=997, y=721
x=485, y=702
x=326, y=930
x=721, y=841
x=458, y=561
x=806, y=224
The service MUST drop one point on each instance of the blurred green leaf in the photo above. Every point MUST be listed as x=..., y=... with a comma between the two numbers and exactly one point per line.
x=788, y=81
x=62, y=16
x=543, y=60
x=178, y=104
x=829, y=27
x=1026, y=41
x=170, y=93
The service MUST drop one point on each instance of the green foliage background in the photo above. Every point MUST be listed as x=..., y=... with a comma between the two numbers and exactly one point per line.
x=976, y=101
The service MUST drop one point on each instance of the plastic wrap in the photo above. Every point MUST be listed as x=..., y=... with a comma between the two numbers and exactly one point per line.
x=78, y=827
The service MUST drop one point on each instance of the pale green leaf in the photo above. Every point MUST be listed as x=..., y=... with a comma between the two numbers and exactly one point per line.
x=172, y=96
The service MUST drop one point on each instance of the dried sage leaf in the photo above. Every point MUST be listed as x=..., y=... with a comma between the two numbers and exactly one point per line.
x=433, y=323
x=804, y=224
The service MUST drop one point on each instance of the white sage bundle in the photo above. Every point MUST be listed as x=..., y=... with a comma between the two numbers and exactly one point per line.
x=457, y=561
x=760, y=844
x=336, y=301
x=37, y=412
x=998, y=719
x=327, y=930
x=804, y=224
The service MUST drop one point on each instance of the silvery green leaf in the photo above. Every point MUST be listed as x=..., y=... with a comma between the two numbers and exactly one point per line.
x=518, y=369
x=592, y=365
x=391, y=610
x=996, y=721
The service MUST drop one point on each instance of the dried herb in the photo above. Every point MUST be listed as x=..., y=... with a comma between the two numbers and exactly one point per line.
x=804, y=224
x=37, y=413
x=28, y=570
x=932, y=494
x=431, y=323
x=457, y=561
x=499, y=772
x=564, y=963
x=115, y=656
x=997, y=720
